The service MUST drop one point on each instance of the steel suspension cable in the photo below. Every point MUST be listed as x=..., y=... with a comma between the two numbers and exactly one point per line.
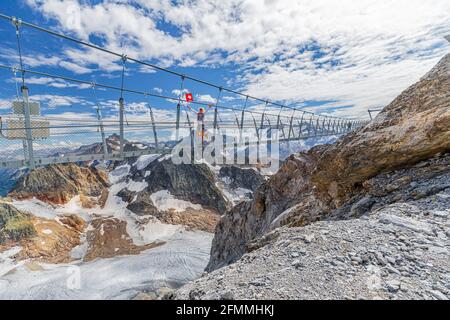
x=92, y=46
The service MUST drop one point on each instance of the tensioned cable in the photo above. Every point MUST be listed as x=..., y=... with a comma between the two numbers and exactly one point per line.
x=45, y=74
x=90, y=45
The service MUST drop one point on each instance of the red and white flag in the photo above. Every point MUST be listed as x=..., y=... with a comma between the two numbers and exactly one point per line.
x=189, y=97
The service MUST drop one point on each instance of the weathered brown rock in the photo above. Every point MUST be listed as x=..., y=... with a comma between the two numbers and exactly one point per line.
x=53, y=240
x=15, y=225
x=414, y=127
x=59, y=183
x=310, y=186
x=203, y=220
x=108, y=237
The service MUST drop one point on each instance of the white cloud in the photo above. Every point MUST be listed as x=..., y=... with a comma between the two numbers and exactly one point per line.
x=75, y=68
x=54, y=101
x=158, y=90
x=50, y=82
x=177, y=92
x=205, y=98
x=228, y=98
x=361, y=53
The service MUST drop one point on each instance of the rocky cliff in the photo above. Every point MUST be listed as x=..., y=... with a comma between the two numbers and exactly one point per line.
x=237, y=177
x=193, y=183
x=398, y=249
x=59, y=183
x=336, y=181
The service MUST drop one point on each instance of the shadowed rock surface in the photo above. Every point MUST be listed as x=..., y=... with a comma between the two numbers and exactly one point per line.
x=314, y=185
x=247, y=178
x=193, y=183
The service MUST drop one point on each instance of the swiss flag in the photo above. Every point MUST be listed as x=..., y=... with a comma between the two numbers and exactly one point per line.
x=189, y=97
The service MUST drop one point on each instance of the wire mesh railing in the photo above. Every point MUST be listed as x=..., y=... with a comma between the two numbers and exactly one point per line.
x=132, y=124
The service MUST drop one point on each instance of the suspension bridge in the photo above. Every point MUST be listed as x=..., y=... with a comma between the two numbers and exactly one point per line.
x=30, y=138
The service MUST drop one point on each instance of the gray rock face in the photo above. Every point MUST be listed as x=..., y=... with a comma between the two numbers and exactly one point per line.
x=194, y=183
x=241, y=177
x=398, y=251
x=339, y=181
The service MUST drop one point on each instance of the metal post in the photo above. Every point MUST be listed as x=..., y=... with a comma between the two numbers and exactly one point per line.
x=282, y=129
x=121, y=115
x=216, y=114
x=301, y=125
x=290, y=126
x=100, y=121
x=263, y=114
x=177, y=125
x=310, y=126
x=155, y=134
x=189, y=121
x=28, y=128
x=242, y=120
x=102, y=132
x=215, y=124
x=256, y=126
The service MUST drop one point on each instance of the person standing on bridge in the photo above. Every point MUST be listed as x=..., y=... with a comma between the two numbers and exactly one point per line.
x=201, y=129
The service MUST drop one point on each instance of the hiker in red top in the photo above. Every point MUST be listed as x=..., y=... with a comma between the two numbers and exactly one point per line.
x=200, y=122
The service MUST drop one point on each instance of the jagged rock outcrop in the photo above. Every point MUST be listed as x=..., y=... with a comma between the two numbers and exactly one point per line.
x=414, y=127
x=193, y=183
x=15, y=225
x=395, y=251
x=247, y=178
x=59, y=183
x=314, y=185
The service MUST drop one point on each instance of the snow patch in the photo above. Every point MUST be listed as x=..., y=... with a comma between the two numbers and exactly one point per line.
x=7, y=263
x=165, y=201
x=165, y=157
x=136, y=186
x=36, y=207
x=182, y=259
x=157, y=231
x=79, y=251
x=119, y=173
x=143, y=161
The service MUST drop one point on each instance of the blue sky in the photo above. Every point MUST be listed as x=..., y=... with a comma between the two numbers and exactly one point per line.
x=329, y=57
